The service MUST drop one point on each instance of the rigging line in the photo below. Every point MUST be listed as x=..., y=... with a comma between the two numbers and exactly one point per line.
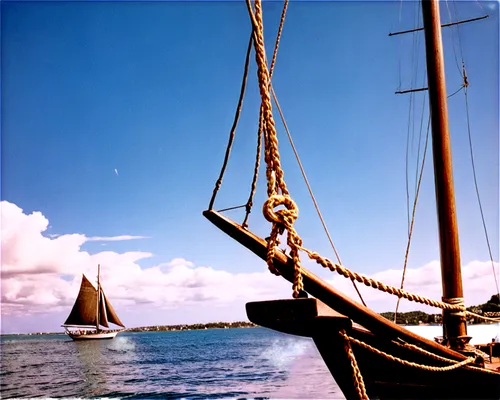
x=442, y=25
x=253, y=186
x=477, y=189
x=235, y=123
x=420, y=140
x=480, y=6
x=455, y=92
x=278, y=38
x=452, y=37
x=408, y=140
x=413, y=217
x=310, y=189
x=418, y=40
x=419, y=135
x=417, y=190
x=411, y=111
x=399, y=45
x=407, y=162
x=464, y=86
x=458, y=34
x=231, y=208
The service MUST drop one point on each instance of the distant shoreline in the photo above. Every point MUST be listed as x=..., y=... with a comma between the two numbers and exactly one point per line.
x=160, y=328
x=491, y=309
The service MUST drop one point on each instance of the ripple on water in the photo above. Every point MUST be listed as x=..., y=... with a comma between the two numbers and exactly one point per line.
x=220, y=363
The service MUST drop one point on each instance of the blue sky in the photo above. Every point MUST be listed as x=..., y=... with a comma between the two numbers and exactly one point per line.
x=150, y=89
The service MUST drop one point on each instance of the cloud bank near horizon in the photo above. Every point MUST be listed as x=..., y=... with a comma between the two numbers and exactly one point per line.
x=41, y=274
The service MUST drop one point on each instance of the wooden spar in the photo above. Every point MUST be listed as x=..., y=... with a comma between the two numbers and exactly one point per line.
x=442, y=26
x=325, y=292
x=98, y=297
x=410, y=90
x=454, y=326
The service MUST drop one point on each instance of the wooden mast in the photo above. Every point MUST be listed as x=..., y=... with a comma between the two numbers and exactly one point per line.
x=98, y=297
x=454, y=326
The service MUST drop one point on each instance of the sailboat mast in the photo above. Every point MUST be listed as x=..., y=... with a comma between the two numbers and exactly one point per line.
x=98, y=297
x=454, y=325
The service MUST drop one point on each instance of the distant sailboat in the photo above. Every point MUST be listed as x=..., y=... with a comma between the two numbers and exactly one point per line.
x=92, y=309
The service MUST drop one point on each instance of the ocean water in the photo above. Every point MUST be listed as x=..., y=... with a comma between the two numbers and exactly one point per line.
x=214, y=363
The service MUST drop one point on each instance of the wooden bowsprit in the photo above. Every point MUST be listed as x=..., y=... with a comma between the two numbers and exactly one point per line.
x=394, y=362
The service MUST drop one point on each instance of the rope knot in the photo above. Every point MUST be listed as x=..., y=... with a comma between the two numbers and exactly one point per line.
x=459, y=306
x=285, y=216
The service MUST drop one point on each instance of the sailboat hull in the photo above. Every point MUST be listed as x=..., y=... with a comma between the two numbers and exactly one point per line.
x=93, y=336
x=389, y=379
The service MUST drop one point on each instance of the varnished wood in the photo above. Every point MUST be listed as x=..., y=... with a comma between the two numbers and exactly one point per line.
x=442, y=26
x=325, y=292
x=299, y=317
x=387, y=379
x=451, y=275
x=383, y=378
x=411, y=90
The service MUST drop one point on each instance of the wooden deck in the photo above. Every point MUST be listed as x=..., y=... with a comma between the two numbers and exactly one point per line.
x=492, y=349
x=494, y=364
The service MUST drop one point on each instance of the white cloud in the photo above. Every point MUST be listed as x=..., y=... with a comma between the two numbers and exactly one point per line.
x=42, y=275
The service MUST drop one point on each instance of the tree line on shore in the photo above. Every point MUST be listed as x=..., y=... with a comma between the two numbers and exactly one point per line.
x=420, y=317
x=403, y=318
x=186, y=327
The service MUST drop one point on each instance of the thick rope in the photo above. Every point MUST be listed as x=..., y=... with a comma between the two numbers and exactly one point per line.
x=444, y=359
x=483, y=317
x=274, y=171
x=453, y=304
x=253, y=187
x=277, y=191
x=357, y=377
x=278, y=194
x=340, y=269
x=390, y=357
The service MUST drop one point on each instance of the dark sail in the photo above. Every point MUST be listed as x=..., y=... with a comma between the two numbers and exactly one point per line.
x=110, y=312
x=84, y=312
x=103, y=319
x=84, y=309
